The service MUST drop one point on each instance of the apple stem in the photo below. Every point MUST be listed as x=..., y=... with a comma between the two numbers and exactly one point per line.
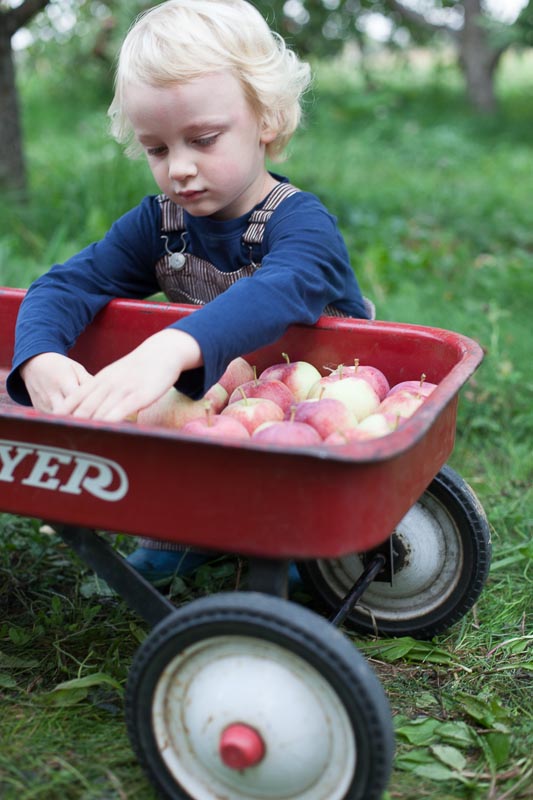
x=209, y=413
x=422, y=379
x=356, y=364
x=322, y=390
x=286, y=357
x=293, y=414
x=243, y=393
x=254, y=368
x=340, y=370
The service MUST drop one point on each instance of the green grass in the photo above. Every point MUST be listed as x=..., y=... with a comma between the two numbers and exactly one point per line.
x=435, y=205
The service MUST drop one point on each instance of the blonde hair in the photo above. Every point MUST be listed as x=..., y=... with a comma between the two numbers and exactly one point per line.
x=179, y=40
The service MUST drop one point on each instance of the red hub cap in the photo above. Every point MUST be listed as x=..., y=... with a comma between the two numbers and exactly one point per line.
x=241, y=746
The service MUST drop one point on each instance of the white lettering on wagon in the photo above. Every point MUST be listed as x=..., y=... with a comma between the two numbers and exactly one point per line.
x=57, y=469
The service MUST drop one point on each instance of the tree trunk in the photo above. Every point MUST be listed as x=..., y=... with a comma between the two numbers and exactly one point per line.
x=12, y=167
x=478, y=58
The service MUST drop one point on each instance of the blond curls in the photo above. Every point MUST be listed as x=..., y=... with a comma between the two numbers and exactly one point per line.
x=179, y=40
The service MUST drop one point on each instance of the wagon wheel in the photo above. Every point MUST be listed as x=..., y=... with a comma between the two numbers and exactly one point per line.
x=441, y=564
x=248, y=697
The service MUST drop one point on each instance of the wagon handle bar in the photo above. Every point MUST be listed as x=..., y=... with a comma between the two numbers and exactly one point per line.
x=360, y=586
x=109, y=565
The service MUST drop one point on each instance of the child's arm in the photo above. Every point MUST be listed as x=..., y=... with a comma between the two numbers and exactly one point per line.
x=135, y=380
x=50, y=377
x=62, y=303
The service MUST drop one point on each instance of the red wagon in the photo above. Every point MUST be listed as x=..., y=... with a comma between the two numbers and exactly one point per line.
x=246, y=695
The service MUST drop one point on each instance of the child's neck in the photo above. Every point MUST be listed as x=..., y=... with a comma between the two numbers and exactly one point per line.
x=269, y=184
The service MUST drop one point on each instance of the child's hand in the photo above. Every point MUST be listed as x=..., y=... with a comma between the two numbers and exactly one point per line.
x=136, y=380
x=49, y=378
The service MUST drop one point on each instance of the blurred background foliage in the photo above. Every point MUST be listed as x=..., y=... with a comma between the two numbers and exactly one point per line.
x=476, y=32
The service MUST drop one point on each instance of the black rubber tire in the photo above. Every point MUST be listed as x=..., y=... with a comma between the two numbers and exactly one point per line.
x=296, y=629
x=464, y=516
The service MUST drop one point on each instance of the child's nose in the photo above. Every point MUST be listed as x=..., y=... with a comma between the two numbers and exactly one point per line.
x=181, y=166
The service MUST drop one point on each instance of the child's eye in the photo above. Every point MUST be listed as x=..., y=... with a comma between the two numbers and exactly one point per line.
x=206, y=141
x=156, y=151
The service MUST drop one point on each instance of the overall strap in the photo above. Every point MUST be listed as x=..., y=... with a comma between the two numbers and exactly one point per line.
x=172, y=218
x=198, y=282
x=256, y=224
x=171, y=215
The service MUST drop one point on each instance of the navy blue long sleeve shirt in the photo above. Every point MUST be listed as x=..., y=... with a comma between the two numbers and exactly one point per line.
x=304, y=268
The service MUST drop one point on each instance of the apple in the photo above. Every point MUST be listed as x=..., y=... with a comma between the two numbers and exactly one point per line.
x=238, y=371
x=172, y=410
x=253, y=411
x=373, y=375
x=379, y=424
x=298, y=376
x=215, y=426
x=272, y=389
x=403, y=403
x=217, y=396
x=325, y=415
x=352, y=435
x=287, y=433
x=357, y=394
x=422, y=387
x=372, y=427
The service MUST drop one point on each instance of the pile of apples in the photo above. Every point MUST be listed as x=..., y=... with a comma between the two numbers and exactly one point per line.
x=291, y=403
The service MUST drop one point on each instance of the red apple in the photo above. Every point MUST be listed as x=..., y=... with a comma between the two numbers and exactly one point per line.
x=422, y=387
x=325, y=415
x=238, y=371
x=378, y=424
x=403, y=403
x=343, y=437
x=298, y=376
x=372, y=427
x=253, y=411
x=355, y=393
x=215, y=426
x=273, y=390
x=353, y=435
x=373, y=375
x=218, y=397
x=172, y=410
x=287, y=433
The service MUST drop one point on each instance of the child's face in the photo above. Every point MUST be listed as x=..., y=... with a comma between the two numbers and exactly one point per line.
x=204, y=144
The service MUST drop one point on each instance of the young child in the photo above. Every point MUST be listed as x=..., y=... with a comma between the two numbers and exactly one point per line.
x=207, y=92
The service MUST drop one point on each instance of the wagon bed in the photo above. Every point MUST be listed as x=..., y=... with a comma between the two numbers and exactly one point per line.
x=252, y=499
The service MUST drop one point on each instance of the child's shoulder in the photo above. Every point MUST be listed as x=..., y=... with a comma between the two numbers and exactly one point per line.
x=300, y=205
x=290, y=196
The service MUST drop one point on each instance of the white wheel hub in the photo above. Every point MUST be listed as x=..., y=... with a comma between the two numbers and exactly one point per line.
x=430, y=572
x=225, y=682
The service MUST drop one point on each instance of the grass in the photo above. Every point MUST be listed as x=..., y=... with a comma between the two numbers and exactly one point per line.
x=434, y=202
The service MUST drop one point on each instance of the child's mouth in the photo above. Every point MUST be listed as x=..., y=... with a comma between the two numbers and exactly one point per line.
x=191, y=195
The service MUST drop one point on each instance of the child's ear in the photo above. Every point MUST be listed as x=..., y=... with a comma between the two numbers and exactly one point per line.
x=268, y=134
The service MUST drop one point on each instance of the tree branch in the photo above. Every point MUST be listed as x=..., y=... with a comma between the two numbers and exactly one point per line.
x=413, y=17
x=16, y=18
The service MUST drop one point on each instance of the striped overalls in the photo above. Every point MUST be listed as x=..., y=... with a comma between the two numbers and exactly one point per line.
x=193, y=280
